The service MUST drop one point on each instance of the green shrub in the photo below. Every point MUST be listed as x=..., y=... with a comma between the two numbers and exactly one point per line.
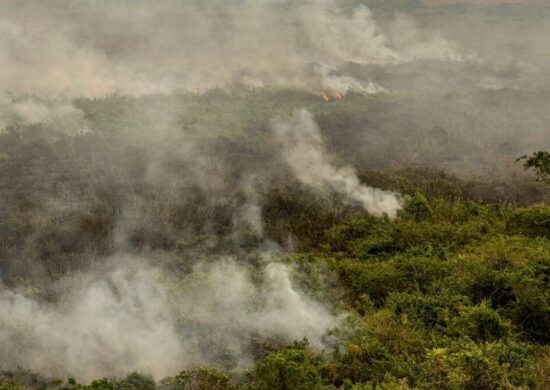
x=531, y=314
x=287, y=369
x=366, y=359
x=8, y=385
x=429, y=310
x=481, y=323
x=200, y=379
x=467, y=365
x=136, y=381
x=99, y=384
x=363, y=238
x=422, y=272
x=417, y=208
x=377, y=280
x=533, y=220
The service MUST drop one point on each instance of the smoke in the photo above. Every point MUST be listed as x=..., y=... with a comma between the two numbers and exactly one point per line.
x=414, y=44
x=58, y=114
x=133, y=315
x=303, y=149
x=150, y=178
x=51, y=53
x=101, y=47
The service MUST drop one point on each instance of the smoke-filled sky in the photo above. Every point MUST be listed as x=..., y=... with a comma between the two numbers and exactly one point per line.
x=59, y=50
x=94, y=48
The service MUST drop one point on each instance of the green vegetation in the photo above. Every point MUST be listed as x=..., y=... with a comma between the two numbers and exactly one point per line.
x=452, y=294
x=540, y=163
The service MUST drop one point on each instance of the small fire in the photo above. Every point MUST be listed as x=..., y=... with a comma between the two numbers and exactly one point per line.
x=327, y=98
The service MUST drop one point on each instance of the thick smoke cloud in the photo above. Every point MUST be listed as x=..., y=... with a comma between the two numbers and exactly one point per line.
x=135, y=316
x=103, y=47
x=54, y=50
x=303, y=149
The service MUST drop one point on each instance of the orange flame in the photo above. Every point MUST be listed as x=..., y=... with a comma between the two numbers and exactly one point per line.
x=325, y=97
x=339, y=96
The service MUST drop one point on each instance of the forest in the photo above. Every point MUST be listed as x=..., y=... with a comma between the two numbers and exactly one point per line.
x=451, y=293
x=190, y=201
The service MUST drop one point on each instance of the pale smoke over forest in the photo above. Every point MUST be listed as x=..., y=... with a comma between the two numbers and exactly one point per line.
x=97, y=48
x=133, y=316
x=303, y=149
x=160, y=160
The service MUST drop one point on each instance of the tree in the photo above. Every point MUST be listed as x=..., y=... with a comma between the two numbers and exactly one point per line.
x=540, y=163
x=417, y=208
x=288, y=369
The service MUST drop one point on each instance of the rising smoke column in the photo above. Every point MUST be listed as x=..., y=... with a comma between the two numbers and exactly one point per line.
x=303, y=149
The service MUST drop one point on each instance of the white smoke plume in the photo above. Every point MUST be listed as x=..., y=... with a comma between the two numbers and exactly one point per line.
x=134, y=316
x=60, y=51
x=30, y=110
x=95, y=48
x=302, y=147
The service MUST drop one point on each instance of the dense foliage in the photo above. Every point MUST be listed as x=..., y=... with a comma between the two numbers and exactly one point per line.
x=452, y=294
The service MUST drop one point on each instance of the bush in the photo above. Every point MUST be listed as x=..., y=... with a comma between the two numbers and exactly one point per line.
x=467, y=365
x=200, y=379
x=8, y=385
x=363, y=238
x=136, y=381
x=481, y=323
x=430, y=311
x=377, y=280
x=417, y=208
x=366, y=359
x=288, y=369
x=99, y=384
x=532, y=221
x=531, y=313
